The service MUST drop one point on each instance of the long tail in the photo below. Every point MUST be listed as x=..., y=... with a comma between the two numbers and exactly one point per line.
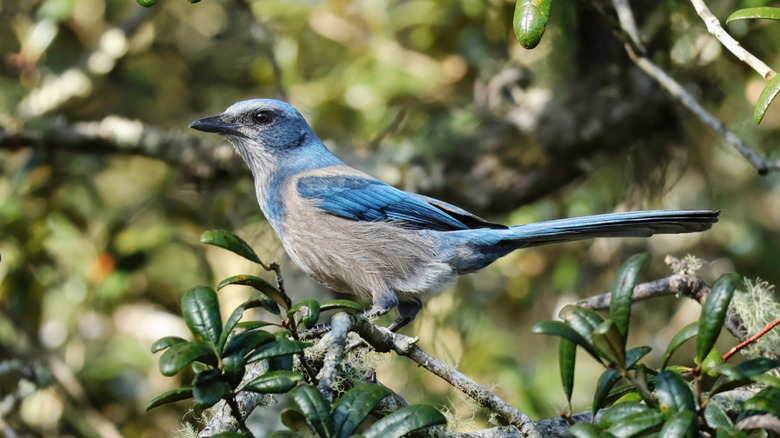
x=630, y=224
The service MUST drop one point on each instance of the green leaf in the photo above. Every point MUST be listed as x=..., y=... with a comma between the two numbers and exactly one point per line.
x=608, y=339
x=605, y=383
x=715, y=416
x=200, y=308
x=713, y=313
x=147, y=3
x=260, y=285
x=588, y=430
x=231, y=242
x=274, y=382
x=243, y=343
x=295, y=420
x=230, y=324
x=558, y=328
x=767, y=400
x=180, y=355
x=405, y=420
x=340, y=304
x=729, y=432
x=681, y=424
x=633, y=355
x=673, y=394
x=309, y=311
x=171, y=396
x=166, y=342
x=233, y=367
x=753, y=13
x=353, y=407
x=209, y=387
x=314, y=408
x=710, y=363
x=765, y=98
x=583, y=321
x=628, y=419
x=281, y=347
x=529, y=21
x=567, y=359
x=251, y=325
x=734, y=376
x=622, y=291
x=686, y=333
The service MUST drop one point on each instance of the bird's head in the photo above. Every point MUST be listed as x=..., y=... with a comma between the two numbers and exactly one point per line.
x=260, y=128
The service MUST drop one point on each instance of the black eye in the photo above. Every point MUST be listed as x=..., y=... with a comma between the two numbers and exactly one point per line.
x=262, y=117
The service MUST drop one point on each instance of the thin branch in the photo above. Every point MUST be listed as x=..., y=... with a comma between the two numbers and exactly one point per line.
x=678, y=92
x=628, y=23
x=714, y=27
x=751, y=339
x=384, y=340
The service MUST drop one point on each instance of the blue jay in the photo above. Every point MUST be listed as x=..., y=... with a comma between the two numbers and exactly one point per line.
x=356, y=234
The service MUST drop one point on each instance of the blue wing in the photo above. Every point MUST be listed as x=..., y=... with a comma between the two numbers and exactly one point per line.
x=366, y=199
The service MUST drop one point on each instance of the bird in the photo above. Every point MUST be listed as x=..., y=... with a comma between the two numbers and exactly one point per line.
x=356, y=234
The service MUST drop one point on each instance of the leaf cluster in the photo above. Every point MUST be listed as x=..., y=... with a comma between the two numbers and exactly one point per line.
x=670, y=400
x=219, y=354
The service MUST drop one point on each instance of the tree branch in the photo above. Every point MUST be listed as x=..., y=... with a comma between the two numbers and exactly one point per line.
x=714, y=27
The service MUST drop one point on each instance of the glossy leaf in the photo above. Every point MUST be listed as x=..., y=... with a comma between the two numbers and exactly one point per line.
x=588, y=430
x=710, y=363
x=282, y=347
x=233, y=367
x=673, y=394
x=147, y=3
x=765, y=98
x=622, y=292
x=230, y=324
x=567, y=359
x=628, y=419
x=405, y=420
x=231, y=242
x=767, y=401
x=180, y=355
x=260, y=285
x=754, y=13
x=583, y=321
x=340, y=304
x=314, y=408
x=251, y=325
x=285, y=434
x=243, y=343
x=200, y=308
x=728, y=432
x=558, y=328
x=274, y=382
x=209, y=387
x=529, y=21
x=713, y=314
x=166, y=342
x=171, y=396
x=309, y=311
x=609, y=340
x=354, y=406
x=715, y=416
x=734, y=376
x=605, y=383
x=680, y=424
x=686, y=333
x=295, y=420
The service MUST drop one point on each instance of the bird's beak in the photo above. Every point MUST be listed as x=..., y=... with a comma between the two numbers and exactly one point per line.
x=216, y=125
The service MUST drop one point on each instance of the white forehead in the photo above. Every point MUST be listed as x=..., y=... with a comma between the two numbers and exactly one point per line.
x=262, y=104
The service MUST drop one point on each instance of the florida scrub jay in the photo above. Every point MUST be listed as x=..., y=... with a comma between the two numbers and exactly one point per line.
x=356, y=234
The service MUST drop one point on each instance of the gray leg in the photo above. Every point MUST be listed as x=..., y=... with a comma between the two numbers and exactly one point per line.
x=407, y=310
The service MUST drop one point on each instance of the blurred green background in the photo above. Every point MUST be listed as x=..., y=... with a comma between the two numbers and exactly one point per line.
x=104, y=192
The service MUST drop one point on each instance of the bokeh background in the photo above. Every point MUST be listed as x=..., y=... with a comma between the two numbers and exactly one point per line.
x=104, y=191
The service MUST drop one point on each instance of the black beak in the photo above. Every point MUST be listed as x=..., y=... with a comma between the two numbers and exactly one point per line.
x=216, y=125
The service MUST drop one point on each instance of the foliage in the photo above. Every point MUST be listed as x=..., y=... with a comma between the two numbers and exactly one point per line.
x=220, y=355
x=672, y=400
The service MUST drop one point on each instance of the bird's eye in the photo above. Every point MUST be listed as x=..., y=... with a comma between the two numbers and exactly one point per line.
x=262, y=117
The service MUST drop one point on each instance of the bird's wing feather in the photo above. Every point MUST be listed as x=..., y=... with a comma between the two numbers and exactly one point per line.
x=366, y=199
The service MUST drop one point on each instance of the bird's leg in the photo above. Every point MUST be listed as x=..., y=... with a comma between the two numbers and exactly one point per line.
x=384, y=302
x=407, y=311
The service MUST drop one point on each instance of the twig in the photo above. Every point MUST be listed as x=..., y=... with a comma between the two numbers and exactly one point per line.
x=336, y=341
x=384, y=340
x=714, y=27
x=628, y=23
x=678, y=92
x=751, y=339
